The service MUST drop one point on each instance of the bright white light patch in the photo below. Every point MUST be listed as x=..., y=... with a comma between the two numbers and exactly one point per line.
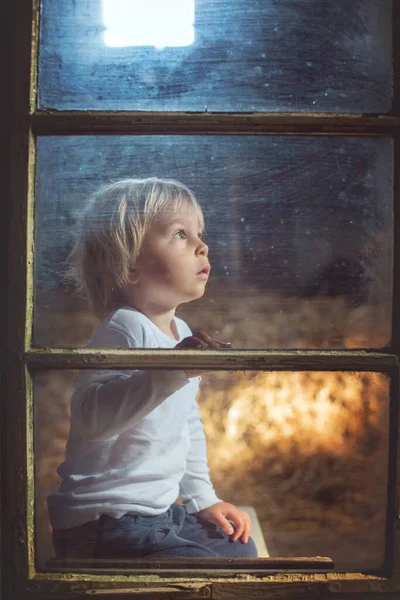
x=158, y=23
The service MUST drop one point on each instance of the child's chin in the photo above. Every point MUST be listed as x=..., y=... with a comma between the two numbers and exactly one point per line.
x=201, y=293
x=195, y=296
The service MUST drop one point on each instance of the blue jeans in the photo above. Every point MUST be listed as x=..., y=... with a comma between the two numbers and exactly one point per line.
x=173, y=533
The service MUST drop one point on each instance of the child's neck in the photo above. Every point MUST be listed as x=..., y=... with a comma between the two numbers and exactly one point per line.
x=161, y=317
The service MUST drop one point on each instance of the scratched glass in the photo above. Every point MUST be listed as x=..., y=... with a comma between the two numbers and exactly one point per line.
x=306, y=451
x=299, y=231
x=233, y=56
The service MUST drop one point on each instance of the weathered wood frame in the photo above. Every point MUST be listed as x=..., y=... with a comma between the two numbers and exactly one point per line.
x=20, y=578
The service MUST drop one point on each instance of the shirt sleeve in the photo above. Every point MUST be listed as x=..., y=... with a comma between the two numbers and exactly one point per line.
x=196, y=489
x=108, y=402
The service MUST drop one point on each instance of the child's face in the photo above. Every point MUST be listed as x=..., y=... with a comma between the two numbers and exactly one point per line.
x=173, y=266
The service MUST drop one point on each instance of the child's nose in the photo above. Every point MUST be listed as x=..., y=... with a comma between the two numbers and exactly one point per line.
x=202, y=248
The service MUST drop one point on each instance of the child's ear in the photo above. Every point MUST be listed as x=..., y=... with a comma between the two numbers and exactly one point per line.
x=134, y=275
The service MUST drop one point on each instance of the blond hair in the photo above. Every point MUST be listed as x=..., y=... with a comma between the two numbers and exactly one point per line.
x=111, y=234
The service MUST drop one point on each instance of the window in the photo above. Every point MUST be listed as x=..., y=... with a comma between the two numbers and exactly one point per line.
x=272, y=57
x=158, y=24
x=287, y=132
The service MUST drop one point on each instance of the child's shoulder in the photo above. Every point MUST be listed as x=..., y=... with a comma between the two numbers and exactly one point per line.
x=129, y=320
x=129, y=328
x=126, y=317
x=124, y=325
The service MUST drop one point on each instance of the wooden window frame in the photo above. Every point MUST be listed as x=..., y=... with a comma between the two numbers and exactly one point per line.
x=19, y=576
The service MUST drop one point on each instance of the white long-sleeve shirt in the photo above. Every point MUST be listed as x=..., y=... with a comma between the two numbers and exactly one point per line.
x=136, y=440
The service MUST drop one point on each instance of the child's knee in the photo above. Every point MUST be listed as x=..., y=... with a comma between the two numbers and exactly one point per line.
x=250, y=549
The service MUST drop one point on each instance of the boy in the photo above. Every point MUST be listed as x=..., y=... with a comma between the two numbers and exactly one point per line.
x=136, y=440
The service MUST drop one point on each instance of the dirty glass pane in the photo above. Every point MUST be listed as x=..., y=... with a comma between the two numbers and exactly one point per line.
x=299, y=231
x=197, y=55
x=307, y=451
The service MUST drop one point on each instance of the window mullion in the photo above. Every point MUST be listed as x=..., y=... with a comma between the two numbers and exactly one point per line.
x=393, y=499
x=127, y=122
x=16, y=468
x=316, y=360
x=396, y=252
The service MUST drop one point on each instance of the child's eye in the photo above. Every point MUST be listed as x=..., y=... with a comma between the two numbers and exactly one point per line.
x=180, y=234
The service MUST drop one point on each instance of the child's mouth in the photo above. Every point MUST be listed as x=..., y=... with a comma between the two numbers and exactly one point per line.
x=204, y=272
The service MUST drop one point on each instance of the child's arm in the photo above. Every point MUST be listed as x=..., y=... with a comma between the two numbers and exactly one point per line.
x=197, y=492
x=196, y=489
x=108, y=402
x=116, y=401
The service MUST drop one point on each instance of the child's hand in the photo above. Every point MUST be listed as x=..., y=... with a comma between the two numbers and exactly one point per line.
x=222, y=513
x=200, y=340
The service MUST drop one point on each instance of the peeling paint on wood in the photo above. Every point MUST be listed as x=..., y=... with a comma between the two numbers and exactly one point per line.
x=84, y=358
x=284, y=586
